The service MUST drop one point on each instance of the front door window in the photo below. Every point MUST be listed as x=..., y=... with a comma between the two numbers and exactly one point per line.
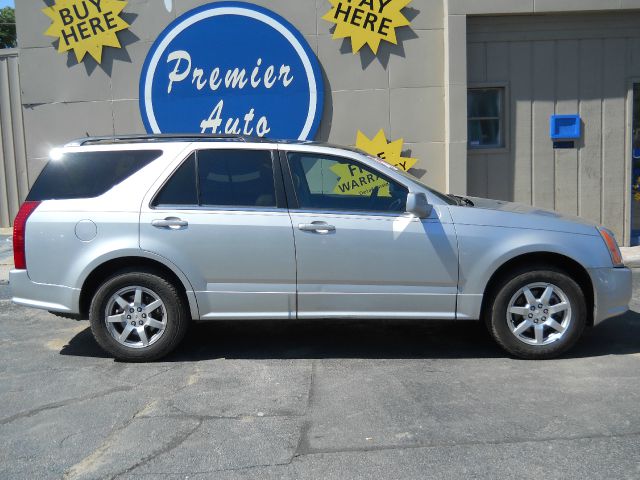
x=331, y=183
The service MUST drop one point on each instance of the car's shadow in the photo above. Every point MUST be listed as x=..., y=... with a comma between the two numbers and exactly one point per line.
x=363, y=339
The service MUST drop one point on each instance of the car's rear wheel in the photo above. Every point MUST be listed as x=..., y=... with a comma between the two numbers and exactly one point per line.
x=138, y=316
x=537, y=314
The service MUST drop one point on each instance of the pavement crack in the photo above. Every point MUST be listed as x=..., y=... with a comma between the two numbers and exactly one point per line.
x=303, y=445
x=243, y=416
x=173, y=444
x=94, y=459
x=515, y=441
x=303, y=440
x=162, y=372
x=62, y=403
x=220, y=470
x=311, y=395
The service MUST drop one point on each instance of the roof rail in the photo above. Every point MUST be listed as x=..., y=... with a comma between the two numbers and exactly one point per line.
x=164, y=137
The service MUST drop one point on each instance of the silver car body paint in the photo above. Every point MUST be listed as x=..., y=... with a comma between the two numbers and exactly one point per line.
x=256, y=263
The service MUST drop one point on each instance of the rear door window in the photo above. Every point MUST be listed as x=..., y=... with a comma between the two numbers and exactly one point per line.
x=224, y=178
x=88, y=174
x=181, y=188
x=236, y=178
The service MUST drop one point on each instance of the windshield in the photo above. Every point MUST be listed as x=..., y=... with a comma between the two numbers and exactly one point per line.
x=445, y=198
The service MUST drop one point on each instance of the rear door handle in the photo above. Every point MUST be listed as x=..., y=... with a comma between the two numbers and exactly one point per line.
x=169, y=222
x=319, y=227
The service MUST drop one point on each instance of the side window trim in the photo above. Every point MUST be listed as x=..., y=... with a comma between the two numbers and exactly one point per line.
x=197, y=177
x=281, y=198
x=292, y=197
x=278, y=178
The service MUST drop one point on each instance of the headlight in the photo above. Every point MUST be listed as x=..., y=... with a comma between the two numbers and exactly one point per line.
x=612, y=246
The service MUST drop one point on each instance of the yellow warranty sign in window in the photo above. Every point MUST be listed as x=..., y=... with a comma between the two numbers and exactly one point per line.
x=86, y=26
x=367, y=21
x=352, y=180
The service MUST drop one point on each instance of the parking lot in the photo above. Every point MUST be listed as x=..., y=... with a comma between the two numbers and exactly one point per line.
x=324, y=399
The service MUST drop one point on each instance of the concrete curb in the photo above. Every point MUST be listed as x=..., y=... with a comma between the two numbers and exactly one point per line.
x=4, y=274
x=6, y=231
x=631, y=256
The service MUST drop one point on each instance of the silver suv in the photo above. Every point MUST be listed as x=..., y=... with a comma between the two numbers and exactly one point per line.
x=143, y=234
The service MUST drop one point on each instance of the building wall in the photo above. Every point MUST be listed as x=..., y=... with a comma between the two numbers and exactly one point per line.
x=400, y=90
x=13, y=163
x=415, y=90
x=560, y=64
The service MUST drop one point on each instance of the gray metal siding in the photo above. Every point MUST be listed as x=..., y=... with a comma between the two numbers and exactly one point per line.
x=559, y=64
x=14, y=181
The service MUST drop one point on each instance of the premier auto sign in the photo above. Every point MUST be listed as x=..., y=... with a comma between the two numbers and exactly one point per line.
x=232, y=67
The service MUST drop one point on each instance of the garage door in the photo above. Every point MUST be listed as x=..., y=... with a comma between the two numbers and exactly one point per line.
x=523, y=69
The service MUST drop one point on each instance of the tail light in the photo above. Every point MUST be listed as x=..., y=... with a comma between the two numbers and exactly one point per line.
x=19, y=225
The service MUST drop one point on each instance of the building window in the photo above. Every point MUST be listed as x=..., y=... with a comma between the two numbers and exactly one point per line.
x=485, y=116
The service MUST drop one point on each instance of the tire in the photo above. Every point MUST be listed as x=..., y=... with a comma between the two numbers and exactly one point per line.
x=540, y=329
x=138, y=316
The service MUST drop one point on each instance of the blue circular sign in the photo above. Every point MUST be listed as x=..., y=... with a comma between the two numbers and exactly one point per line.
x=232, y=67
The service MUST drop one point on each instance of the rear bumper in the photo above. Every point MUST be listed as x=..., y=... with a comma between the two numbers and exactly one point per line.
x=55, y=298
x=612, y=289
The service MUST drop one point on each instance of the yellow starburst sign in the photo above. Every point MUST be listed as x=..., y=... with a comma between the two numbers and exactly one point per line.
x=86, y=26
x=390, y=152
x=353, y=180
x=367, y=21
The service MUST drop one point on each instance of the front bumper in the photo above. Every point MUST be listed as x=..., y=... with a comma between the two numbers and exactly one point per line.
x=612, y=290
x=55, y=298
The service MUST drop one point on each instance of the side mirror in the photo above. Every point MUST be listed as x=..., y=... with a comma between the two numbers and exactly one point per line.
x=418, y=205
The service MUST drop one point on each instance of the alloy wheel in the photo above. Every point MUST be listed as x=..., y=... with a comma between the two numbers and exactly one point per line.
x=136, y=317
x=539, y=314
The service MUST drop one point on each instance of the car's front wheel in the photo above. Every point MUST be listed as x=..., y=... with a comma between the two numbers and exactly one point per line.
x=537, y=314
x=138, y=316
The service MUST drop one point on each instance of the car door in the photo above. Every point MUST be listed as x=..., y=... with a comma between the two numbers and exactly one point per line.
x=358, y=253
x=221, y=218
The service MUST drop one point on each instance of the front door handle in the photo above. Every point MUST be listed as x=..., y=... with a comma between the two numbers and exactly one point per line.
x=169, y=222
x=318, y=227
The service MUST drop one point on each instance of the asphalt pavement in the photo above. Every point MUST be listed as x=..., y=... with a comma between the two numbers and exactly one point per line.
x=315, y=400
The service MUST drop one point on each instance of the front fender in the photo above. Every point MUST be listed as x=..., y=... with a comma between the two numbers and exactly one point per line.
x=484, y=249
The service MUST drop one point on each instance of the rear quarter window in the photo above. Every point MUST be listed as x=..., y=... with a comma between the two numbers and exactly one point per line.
x=88, y=174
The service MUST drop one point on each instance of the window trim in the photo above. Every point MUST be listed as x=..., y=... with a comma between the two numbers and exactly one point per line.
x=292, y=196
x=504, y=119
x=281, y=202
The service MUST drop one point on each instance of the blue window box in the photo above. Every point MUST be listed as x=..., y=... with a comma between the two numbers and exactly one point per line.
x=565, y=127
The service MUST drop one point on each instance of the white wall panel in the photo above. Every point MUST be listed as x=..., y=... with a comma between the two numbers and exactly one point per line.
x=562, y=64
